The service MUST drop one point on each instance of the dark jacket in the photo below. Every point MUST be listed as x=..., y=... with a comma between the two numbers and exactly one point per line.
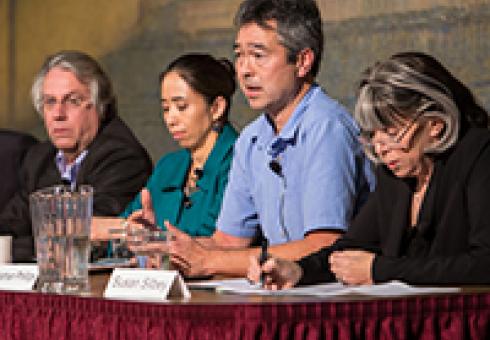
x=452, y=244
x=13, y=147
x=117, y=166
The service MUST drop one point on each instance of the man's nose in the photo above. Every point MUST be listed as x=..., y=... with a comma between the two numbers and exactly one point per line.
x=58, y=111
x=244, y=67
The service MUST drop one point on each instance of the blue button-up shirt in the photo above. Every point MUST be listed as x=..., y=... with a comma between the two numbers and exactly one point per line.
x=324, y=175
x=69, y=171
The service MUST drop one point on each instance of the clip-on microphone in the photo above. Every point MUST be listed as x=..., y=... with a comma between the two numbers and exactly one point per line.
x=276, y=167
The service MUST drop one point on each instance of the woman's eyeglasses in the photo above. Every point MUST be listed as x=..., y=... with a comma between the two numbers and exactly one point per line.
x=392, y=140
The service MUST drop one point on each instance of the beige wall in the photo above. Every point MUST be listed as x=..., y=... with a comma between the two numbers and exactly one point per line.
x=4, y=62
x=202, y=15
x=135, y=39
x=339, y=10
x=43, y=27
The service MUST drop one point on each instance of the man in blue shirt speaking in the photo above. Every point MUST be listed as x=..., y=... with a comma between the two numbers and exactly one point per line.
x=299, y=174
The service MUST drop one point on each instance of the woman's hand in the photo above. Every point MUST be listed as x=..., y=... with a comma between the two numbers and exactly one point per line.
x=145, y=217
x=275, y=273
x=352, y=267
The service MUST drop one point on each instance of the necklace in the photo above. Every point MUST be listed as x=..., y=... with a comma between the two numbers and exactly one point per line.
x=418, y=197
x=191, y=184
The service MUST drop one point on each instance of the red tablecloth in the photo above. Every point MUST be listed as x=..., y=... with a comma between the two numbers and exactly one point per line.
x=37, y=316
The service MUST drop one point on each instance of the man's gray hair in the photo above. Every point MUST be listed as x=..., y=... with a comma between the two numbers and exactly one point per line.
x=87, y=71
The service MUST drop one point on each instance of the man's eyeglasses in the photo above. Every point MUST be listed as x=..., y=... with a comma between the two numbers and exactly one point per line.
x=70, y=101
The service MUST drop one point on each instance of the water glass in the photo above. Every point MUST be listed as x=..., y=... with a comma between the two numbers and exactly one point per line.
x=118, y=248
x=157, y=241
x=144, y=243
x=61, y=220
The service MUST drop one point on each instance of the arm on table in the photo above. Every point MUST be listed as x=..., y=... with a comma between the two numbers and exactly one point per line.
x=469, y=260
x=225, y=254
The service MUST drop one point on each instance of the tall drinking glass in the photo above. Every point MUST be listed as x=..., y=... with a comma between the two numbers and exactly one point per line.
x=61, y=221
x=146, y=243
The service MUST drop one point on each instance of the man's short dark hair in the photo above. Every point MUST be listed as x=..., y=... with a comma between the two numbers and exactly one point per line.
x=299, y=24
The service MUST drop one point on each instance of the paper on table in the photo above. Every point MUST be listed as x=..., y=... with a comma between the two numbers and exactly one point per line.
x=398, y=288
x=393, y=288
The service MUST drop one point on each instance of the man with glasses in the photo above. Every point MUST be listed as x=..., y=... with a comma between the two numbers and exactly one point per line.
x=88, y=144
x=299, y=174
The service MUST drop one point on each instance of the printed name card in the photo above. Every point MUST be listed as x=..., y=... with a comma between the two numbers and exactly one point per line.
x=18, y=277
x=145, y=284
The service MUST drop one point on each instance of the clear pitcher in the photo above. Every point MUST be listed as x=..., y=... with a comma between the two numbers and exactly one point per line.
x=61, y=221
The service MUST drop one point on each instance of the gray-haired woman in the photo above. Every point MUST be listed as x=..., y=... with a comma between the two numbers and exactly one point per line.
x=428, y=221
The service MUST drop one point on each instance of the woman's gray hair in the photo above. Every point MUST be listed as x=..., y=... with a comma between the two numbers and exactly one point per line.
x=408, y=85
x=87, y=71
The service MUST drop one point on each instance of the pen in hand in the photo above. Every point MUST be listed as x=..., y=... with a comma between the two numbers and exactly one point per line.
x=264, y=255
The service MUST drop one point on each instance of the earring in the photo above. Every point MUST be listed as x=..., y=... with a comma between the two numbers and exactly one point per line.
x=217, y=126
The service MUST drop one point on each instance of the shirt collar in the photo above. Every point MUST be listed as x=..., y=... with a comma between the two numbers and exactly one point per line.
x=176, y=175
x=222, y=147
x=264, y=134
x=69, y=172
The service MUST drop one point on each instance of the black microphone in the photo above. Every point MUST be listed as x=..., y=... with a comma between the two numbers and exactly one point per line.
x=198, y=172
x=65, y=181
x=276, y=167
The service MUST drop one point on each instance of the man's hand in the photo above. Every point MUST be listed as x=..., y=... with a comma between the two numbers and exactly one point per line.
x=352, y=267
x=188, y=255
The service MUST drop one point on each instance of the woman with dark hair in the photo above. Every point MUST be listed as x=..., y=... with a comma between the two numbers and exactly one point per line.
x=428, y=221
x=186, y=187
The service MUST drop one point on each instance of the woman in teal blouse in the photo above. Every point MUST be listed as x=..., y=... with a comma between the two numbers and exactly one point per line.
x=187, y=186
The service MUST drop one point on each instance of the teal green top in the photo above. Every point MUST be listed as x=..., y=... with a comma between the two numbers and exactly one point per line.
x=198, y=218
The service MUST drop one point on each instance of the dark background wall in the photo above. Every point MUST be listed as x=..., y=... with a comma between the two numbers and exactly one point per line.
x=135, y=39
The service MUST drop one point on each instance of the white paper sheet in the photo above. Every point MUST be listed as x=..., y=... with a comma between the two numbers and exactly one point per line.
x=393, y=288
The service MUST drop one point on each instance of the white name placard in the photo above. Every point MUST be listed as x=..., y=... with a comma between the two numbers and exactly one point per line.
x=145, y=284
x=18, y=277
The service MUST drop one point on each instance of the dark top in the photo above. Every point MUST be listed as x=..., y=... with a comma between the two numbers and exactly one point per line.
x=196, y=215
x=13, y=147
x=451, y=242
x=116, y=165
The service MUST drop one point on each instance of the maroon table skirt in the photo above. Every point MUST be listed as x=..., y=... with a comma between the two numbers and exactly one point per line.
x=37, y=316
